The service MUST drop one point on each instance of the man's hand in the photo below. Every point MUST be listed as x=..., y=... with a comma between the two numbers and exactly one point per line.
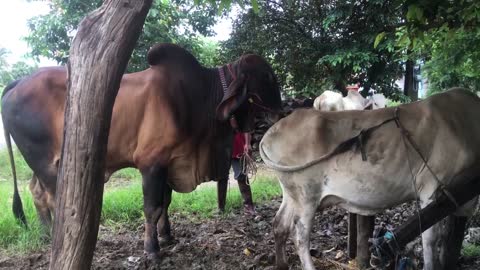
x=248, y=141
x=247, y=148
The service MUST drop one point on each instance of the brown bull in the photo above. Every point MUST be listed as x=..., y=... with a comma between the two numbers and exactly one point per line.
x=169, y=121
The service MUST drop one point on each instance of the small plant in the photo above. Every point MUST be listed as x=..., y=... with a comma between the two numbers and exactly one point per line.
x=471, y=251
x=13, y=236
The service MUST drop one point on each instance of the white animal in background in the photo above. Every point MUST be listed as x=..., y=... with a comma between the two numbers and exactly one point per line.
x=334, y=101
x=378, y=101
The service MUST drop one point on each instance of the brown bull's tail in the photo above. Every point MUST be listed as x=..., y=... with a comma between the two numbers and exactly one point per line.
x=17, y=206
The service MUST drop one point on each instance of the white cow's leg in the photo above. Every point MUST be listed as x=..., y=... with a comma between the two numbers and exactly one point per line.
x=303, y=227
x=455, y=228
x=442, y=242
x=432, y=242
x=452, y=241
x=282, y=225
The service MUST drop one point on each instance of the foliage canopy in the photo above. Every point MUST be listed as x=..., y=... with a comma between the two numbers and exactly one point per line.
x=313, y=45
x=176, y=21
x=318, y=45
x=9, y=73
x=445, y=36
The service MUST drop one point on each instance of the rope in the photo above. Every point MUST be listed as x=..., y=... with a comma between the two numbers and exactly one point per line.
x=381, y=257
x=406, y=134
x=249, y=167
x=414, y=178
x=405, y=263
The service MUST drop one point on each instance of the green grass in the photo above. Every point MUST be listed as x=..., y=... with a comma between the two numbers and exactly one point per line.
x=23, y=171
x=122, y=207
x=129, y=173
x=14, y=237
x=202, y=203
x=124, y=204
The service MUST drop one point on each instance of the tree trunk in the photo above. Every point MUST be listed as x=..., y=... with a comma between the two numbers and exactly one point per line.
x=408, y=87
x=98, y=58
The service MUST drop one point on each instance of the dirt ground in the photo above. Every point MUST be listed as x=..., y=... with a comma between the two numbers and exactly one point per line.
x=224, y=242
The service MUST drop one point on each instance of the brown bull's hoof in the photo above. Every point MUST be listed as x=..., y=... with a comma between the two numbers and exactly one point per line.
x=153, y=257
x=151, y=246
x=165, y=240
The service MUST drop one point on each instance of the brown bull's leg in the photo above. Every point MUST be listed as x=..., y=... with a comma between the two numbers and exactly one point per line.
x=352, y=236
x=365, y=226
x=222, y=186
x=154, y=185
x=163, y=225
x=40, y=200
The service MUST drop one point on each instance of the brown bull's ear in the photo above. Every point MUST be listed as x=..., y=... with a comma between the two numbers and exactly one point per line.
x=233, y=98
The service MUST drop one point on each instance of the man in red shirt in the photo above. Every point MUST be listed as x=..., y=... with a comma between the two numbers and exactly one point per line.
x=241, y=146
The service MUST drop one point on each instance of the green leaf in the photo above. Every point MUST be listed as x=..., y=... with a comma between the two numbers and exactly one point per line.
x=378, y=39
x=255, y=6
x=153, y=12
x=404, y=40
x=412, y=12
x=419, y=14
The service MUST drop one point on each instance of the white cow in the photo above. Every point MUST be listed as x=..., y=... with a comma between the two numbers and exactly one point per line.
x=378, y=101
x=323, y=166
x=334, y=101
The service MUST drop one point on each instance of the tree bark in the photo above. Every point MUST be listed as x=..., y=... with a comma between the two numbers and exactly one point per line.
x=408, y=87
x=98, y=58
